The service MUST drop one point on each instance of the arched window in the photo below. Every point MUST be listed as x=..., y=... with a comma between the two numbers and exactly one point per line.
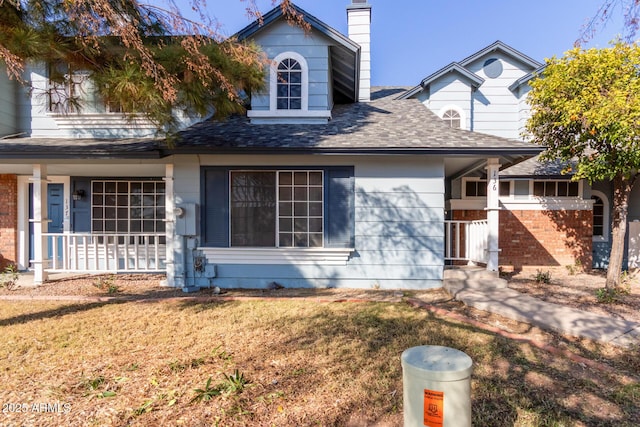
x=289, y=85
x=452, y=118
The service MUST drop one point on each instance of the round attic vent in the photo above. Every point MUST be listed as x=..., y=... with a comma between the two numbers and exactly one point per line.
x=492, y=68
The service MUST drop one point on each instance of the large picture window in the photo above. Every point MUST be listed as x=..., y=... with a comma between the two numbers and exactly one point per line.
x=279, y=207
x=127, y=207
x=276, y=208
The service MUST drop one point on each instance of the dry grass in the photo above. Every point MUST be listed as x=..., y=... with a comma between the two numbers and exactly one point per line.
x=307, y=364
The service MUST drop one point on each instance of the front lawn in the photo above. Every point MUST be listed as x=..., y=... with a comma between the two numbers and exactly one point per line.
x=273, y=363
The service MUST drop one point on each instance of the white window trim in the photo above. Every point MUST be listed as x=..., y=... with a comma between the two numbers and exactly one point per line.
x=273, y=82
x=463, y=190
x=605, y=216
x=280, y=256
x=555, y=198
x=463, y=116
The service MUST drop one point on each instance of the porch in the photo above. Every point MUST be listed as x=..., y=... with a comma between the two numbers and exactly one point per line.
x=466, y=242
x=100, y=253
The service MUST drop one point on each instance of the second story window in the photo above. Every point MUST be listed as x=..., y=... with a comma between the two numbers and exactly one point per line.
x=73, y=91
x=289, y=85
x=452, y=119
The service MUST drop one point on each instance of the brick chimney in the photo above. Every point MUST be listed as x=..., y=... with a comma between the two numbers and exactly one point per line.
x=359, y=22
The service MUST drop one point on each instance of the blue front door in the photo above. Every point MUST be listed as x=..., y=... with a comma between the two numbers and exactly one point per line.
x=55, y=213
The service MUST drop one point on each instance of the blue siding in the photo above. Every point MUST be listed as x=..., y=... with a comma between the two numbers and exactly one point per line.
x=390, y=211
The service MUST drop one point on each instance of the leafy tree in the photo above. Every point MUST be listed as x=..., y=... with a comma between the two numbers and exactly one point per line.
x=143, y=58
x=586, y=108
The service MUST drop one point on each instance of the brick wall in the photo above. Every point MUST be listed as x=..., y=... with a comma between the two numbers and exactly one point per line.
x=8, y=220
x=533, y=238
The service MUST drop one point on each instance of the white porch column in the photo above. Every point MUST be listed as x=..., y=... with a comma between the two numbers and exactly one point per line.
x=493, y=212
x=170, y=225
x=40, y=223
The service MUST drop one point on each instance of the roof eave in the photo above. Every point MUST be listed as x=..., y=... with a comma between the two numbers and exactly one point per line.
x=498, y=45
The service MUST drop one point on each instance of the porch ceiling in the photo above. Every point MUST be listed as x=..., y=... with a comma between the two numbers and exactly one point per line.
x=458, y=167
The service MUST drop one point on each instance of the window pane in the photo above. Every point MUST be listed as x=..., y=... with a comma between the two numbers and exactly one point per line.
x=97, y=187
x=123, y=226
x=283, y=104
x=123, y=213
x=573, y=189
x=300, y=225
x=598, y=210
x=470, y=189
x=136, y=213
x=123, y=187
x=136, y=187
x=286, y=178
x=550, y=189
x=295, y=91
x=286, y=208
x=96, y=226
x=136, y=226
x=315, y=194
x=110, y=200
x=300, y=240
x=285, y=193
x=598, y=230
x=97, y=213
x=315, y=240
x=315, y=225
x=300, y=194
x=110, y=212
x=97, y=200
x=300, y=178
x=300, y=209
x=253, y=208
x=123, y=200
x=110, y=226
x=562, y=189
x=538, y=188
x=505, y=188
x=110, y=187
x=286, y=240
x=295, y=77
x=283, y=90
x=286, y=224
x=482, y=188
x=148, y=226
x=315, y=209
x=315, y=178
x=296, y=104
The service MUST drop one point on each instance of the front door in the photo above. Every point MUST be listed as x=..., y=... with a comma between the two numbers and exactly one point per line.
x=55, y=214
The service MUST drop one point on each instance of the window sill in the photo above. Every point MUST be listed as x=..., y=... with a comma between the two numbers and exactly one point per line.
x=288, y=256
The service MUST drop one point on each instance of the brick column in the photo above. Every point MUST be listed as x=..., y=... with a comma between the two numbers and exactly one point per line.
x=8, y=220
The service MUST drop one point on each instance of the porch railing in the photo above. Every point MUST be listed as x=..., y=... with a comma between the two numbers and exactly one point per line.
x=466, y=241
x=117, y=253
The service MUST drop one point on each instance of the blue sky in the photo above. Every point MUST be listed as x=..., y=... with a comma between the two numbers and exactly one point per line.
x=413, y=38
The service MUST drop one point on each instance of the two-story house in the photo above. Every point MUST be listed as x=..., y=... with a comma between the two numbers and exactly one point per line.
x=545, y=219
x=325, y=181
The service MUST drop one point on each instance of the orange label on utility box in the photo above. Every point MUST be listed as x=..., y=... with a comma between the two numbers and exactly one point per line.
x=433, y=408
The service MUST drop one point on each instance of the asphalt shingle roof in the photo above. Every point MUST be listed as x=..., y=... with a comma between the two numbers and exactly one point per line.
x=384, y=124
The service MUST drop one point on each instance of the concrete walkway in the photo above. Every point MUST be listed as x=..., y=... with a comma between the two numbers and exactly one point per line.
x=492, y=294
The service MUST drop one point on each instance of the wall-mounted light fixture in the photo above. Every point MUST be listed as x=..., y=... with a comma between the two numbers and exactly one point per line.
x=78, y=195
